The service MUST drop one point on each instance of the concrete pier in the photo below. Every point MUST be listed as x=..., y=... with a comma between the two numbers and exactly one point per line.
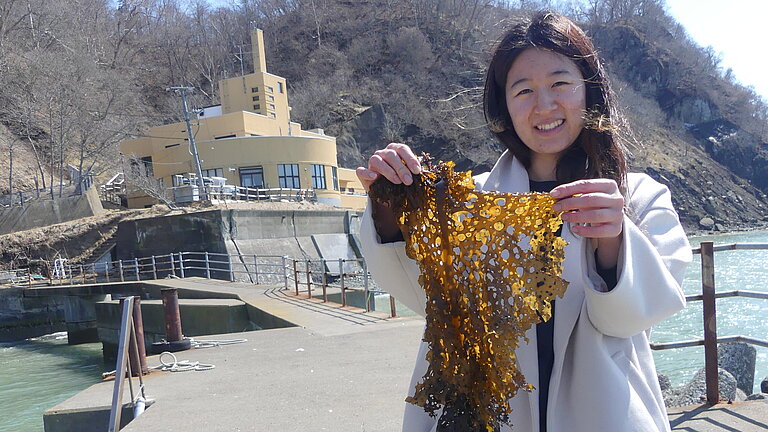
x=339, y=369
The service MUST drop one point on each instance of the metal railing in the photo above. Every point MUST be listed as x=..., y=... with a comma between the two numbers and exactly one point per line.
x=708, y=296
x=331, y=277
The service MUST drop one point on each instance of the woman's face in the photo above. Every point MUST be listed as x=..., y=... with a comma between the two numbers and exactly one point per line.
x=546, y=99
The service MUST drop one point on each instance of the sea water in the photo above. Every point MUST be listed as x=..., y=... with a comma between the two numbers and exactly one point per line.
x=739, y=269
x=38, y=373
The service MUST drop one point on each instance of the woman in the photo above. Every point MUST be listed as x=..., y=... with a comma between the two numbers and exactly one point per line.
x=548, y=101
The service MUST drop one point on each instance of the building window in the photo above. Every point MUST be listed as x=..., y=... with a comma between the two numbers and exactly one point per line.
x=252, y=177
x=288, y=174
x=280, y=87
x=147, y=166
x=225, y=136
x=270, y=98
x=271, y=106
x=269, y=89
x=272, y=115
x=255, y=90
x=213, y=172
x=318, y=177
x=335, y=174
x=257, y=106
x=255, y=98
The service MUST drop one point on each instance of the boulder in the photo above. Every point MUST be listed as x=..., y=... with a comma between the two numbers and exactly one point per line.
x=758, y=396
x=764, y=385
x=696, y=390
x=738, y=358
x=706, y=223
x=664, y=381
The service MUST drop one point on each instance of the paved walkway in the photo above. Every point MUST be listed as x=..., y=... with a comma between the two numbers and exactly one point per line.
x=339, y=370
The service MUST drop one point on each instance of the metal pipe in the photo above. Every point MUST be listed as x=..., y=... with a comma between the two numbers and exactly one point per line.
x=710, y=321
x=138, y=269
x=207, y=266
x=171, y=314
x=285, y=271
x=309, y=281
x=325, y=283
x=154, y=267
x=181, y=264
x=296, y=277
x=343, y=289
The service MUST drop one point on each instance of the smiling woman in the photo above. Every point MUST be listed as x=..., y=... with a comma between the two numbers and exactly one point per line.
x=548, y=101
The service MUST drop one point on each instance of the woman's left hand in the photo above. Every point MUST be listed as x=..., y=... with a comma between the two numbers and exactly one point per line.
x=597, y=206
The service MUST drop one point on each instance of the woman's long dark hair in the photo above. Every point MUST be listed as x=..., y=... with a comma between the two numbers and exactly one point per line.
x=597, y=152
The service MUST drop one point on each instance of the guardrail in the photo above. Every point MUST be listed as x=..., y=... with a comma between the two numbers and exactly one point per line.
x=708, y=296
x=330, y=276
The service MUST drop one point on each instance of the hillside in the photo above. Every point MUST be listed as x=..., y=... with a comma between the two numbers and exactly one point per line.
x=370, y=72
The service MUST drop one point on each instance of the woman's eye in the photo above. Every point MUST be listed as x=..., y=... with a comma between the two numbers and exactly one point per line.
x=560, y=83
x=523, y=91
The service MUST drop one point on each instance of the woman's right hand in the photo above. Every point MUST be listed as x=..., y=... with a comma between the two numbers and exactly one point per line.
x=396, y=162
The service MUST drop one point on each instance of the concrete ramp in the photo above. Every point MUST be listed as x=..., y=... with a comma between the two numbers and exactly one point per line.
x=334, y=246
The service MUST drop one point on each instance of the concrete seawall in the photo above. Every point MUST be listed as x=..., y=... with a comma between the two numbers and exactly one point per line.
x=49, y=212
x=260, y=232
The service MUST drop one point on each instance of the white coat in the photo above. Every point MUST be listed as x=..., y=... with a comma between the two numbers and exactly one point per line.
x=604, y=378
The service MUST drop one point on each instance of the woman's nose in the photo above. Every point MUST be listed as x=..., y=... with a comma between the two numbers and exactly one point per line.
x=545, y=101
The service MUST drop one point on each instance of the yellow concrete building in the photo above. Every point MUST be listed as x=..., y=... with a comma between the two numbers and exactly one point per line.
x=251, y=141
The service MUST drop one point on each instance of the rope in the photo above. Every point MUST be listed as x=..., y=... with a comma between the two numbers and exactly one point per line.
x=186, y=365
x=175, y=365
x=214, y=343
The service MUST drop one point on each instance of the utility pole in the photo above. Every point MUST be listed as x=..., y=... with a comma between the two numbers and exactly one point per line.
x=192, y=147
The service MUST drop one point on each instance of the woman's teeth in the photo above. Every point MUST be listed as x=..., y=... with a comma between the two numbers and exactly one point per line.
x=550, y=126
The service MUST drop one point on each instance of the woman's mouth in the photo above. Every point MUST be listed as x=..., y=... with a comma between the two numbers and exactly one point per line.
x=549, y=126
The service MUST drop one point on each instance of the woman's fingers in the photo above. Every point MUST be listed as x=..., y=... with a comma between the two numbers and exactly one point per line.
x=594, y=206
x=396, y=163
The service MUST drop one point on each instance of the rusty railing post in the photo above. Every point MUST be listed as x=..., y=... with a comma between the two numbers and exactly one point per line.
x=343, y=289
x=325, y=282
x=137, y=353
x=710, y=322
x=392, y=309
x=172, y=314
x=296, y=277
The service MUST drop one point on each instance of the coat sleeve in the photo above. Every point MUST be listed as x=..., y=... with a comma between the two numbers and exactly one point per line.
x=392, y=270
x=652, y=262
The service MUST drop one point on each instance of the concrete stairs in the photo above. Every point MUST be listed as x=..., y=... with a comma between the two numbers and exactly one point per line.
x=109, y=240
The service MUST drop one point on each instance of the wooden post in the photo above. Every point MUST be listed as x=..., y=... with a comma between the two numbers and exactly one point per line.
x=710, y=322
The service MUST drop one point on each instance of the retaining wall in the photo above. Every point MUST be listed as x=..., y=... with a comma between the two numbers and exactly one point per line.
x=42, y=213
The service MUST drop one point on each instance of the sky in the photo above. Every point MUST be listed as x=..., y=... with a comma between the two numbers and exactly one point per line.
x=736, y=29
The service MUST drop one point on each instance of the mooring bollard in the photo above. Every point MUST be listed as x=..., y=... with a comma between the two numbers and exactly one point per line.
x=171, y=314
